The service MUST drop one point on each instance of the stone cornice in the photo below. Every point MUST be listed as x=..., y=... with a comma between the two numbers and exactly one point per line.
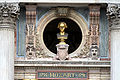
x=64, y=63
x=113, y=12
x=8, y=14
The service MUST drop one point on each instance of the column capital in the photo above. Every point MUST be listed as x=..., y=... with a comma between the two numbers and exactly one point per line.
x=113, y=13
x=8, y=14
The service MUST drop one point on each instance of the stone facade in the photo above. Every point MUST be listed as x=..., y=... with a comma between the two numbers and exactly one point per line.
x=38, y=57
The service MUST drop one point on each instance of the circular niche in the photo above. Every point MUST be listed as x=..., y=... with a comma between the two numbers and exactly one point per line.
x=73, y=30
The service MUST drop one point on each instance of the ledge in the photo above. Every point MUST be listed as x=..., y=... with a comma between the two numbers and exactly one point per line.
x=63, y=63
x=63, y=1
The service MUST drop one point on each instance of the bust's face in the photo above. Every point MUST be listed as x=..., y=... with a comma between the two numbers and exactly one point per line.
x=62, y=26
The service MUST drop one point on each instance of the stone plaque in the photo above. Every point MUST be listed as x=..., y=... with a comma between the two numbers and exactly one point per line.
x=79, y=75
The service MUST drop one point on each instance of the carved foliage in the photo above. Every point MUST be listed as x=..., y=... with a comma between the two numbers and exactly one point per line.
x=39, y=51
x=8, y=13
x=7, y=9
x=113, y=12
x=85, y=51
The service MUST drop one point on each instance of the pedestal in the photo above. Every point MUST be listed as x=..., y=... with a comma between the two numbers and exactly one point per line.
x=62, y=51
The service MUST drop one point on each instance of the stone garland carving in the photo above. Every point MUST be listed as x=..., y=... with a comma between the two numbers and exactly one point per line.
x=9, y=13
x=113, y=12
x=39, y=51
x=84, y=53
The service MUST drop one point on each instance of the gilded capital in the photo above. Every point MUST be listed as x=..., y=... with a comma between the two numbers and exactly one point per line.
x=113, y=13
x=8, y=14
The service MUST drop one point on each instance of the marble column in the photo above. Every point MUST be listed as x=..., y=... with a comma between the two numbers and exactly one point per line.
x=8, y=16
x=113, y=12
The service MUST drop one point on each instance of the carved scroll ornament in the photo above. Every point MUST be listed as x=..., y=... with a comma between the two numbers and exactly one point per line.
x=9, y=13
x=113, y=12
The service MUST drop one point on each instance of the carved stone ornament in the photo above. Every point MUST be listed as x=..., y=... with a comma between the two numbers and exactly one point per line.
x=113, y=12
x=9, y=13
x=94, y=52
x=39, y=51
x=62, y=11
x=30, y=41
x=84, y=53
x=94, y=31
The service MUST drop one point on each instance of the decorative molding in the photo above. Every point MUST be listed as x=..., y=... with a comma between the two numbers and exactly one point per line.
x=6, y=29
x=84, y=53
x=30, y=31
x=62, y=11
x=31, y=14
x=8, y=14
x=113, y=13
x=40, y=52
x=94, y=30
x=22, y=68
x=64, y=63
x=30, y=41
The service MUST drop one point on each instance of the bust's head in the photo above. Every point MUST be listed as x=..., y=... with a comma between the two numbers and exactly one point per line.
x=62, y=26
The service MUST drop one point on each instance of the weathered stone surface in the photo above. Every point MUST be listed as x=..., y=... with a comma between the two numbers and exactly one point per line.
x=8, y=14
x=114, y=20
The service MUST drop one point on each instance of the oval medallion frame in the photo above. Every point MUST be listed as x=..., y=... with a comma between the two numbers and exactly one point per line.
x=51, y=15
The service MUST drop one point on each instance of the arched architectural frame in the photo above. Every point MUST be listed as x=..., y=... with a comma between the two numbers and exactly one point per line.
x=51, y=15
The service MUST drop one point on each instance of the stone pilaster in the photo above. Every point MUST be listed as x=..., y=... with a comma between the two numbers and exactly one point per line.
x=8, y=15
x=94, y=30
x=30, y=31
x=113, y=12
